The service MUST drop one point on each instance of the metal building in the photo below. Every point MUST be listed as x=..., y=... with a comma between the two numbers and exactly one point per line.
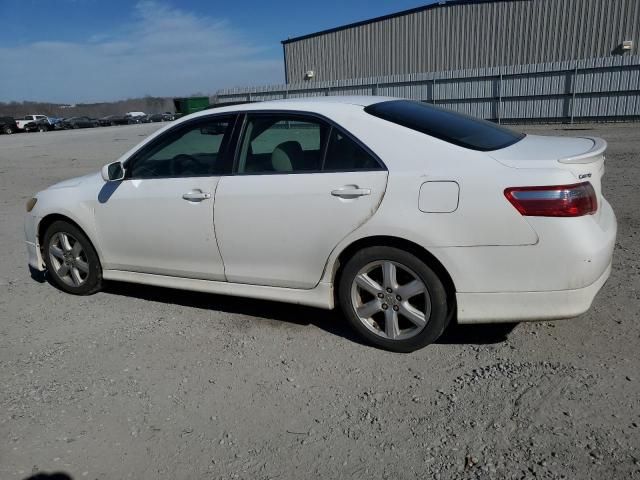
x=466, y=34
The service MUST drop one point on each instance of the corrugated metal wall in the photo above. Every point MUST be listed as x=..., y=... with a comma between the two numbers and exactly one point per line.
x=468, y=35
x=577, y=89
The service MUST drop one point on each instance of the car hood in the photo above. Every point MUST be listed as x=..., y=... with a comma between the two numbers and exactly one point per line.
x=74, y=182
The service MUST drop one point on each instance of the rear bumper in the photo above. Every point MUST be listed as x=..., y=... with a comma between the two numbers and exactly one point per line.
x=557, y=278
x=527, y=306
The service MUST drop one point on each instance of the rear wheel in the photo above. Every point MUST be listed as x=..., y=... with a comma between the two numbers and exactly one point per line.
x=8, y=130
x=72, y=262
x=393, y=299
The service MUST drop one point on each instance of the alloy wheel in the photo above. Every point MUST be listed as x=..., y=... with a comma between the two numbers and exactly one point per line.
x=68, y=259
x=391, y=300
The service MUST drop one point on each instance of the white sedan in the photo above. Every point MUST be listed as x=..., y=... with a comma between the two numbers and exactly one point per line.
x=406, y=215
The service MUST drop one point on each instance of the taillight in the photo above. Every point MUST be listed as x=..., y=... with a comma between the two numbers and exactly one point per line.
x=554, y=201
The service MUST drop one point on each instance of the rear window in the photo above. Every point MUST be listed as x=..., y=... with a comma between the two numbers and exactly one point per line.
x=446, y=125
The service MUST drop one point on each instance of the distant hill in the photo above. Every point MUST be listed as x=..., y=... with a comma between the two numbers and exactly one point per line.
x=95, y=110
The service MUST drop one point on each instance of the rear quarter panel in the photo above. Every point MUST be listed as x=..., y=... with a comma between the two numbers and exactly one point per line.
x=483, y=216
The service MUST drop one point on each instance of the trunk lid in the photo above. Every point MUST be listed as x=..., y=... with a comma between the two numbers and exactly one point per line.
x=582, y=156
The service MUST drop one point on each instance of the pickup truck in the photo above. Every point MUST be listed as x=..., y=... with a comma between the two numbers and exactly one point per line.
x=21, y=122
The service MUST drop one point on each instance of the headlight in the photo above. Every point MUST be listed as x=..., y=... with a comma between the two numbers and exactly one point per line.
x=31, y=203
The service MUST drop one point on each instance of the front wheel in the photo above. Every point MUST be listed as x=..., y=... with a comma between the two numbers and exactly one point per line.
x=8, y=130
x=393, y=299
x=72, y=262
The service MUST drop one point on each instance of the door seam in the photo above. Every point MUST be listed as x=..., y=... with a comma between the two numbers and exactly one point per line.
x=215, y=234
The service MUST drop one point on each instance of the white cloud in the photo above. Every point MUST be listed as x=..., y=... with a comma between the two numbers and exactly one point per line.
x=165, y=52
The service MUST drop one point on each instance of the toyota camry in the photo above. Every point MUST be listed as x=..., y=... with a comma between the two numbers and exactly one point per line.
x=406, y=216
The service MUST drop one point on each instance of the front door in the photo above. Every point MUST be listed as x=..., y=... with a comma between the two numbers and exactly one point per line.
x=300, y=186
x=159, y=219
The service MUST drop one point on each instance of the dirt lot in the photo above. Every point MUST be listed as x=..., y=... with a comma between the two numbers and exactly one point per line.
x=140, y=382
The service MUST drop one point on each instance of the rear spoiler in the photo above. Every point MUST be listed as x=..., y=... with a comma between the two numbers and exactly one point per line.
x=599, y=146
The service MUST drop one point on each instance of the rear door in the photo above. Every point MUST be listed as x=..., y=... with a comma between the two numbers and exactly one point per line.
x=299, y=186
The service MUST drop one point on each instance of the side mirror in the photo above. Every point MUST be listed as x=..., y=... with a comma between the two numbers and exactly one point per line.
x=113, y=172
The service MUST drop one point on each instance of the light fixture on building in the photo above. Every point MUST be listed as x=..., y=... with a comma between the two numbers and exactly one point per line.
x=623, y=47
x=309, y=74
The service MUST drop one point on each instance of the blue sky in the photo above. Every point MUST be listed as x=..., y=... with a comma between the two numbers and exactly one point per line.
x=94, y=50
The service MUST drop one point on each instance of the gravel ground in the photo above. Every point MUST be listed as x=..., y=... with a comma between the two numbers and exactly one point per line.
x=140, y=382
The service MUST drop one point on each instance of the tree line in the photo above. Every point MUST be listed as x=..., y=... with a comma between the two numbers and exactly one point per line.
x=94, y=110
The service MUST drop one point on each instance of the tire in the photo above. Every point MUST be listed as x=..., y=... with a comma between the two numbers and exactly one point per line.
x=42, y=129
x=7, y=130
x=369, y=295
x=81, y=264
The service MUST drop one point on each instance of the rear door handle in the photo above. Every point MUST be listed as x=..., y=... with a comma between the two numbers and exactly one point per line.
x=351, y=191
x=196, y=196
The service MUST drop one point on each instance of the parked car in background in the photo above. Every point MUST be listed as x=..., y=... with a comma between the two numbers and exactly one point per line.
x=59, y=124
x=8, y=125
x=40, y=125
x=21, y=122
x=111, y=120
x=79, y=122
x=161, y=117
x=54, y=120
x=406, y=215
x=134, y=119
x=134, y=114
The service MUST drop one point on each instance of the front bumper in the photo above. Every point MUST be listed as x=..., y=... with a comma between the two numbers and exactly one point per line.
x=31, y=240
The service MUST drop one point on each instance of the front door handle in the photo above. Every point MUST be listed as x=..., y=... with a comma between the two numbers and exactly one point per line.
x=196, y=196
x=351, y=191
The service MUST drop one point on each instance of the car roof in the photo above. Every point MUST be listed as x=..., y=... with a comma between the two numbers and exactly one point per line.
x=302, y=103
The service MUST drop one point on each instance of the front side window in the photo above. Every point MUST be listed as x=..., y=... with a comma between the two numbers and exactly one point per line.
x=193, y=150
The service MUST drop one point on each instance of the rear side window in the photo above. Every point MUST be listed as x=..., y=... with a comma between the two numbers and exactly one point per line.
x=452, y=127
x=345, y=154
x=282, y=144
x=297, y=143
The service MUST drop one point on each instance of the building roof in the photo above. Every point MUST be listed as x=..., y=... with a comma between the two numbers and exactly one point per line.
x=431, y=6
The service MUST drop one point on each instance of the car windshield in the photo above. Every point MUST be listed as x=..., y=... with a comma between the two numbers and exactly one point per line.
x=452, y=127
